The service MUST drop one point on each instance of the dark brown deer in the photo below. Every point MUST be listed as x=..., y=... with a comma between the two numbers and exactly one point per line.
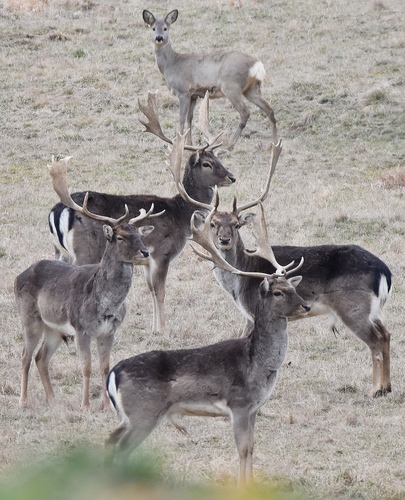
x=345, y=282
x=225, y=74
x=80, y=240
x=233, y=378
x=56, y=299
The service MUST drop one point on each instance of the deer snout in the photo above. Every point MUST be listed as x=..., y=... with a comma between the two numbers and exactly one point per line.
x=145, y=253
x=232, y=178
x=306, y=307
x=158, y=39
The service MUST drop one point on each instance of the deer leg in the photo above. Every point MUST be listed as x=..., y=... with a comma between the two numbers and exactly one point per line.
x=32, y=336
x=375, y=335
x=185, y=105
x=254, y=95
x=83, y=342
x=104, y=345
x=233, y=93
x=189, y=121
x=50, y=343
x=156, y=275
x=249, y=462
x=241, y=435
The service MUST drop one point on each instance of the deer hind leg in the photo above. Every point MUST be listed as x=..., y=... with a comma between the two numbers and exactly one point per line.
x=50, y=343
x=32, y=336
x=186, y=107
x=254, y=95
x=233, y=93
x=376, y=336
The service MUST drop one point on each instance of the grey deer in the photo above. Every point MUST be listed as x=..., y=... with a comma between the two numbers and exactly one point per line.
x=79, y=239
x=56, y=299
x=233, y=378
x=345, y=282
x=233, y=75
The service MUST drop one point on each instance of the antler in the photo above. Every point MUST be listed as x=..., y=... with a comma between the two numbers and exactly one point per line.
x=58, y=171
x=150, y=110
x=175, y=158
x=203, y=237
x=276, y=150
x=203, y=123
x=263, y=248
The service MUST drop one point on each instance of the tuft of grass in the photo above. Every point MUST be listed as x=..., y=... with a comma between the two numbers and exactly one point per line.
x=79, y=53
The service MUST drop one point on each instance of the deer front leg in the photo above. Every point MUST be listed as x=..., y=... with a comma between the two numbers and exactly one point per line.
x=156, y=274
x=242, y=439
x=104, y=345
x=83, y=342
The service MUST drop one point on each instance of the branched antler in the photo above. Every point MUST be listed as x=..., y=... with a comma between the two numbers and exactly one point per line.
x=202, y=235
x=58, y=171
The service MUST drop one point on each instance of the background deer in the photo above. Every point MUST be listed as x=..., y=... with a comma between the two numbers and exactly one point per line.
x=56, y=299
x=345, y=282
x=225, y=74
x=233, y=378
x=80, y=239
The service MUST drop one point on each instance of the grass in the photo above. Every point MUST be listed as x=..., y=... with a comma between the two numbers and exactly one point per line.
x=73, y=73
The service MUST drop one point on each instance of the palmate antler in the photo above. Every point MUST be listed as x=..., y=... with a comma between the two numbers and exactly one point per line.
x=202, y=235
x=58, y=171
x=150, y=110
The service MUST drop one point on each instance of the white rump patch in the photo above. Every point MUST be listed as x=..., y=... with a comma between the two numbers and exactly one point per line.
x=66, y=248
x=257, y=71
x=377, y=303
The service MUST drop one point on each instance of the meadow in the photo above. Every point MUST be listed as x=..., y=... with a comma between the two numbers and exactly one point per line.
x=72, y=72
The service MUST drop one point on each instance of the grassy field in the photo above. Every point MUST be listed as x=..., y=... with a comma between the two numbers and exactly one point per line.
x=71, y=75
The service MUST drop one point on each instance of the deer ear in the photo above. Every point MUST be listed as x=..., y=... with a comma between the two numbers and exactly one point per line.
x=246, y=219
x=145, y=230
x=264, y=287
x=199, y=217
x=171, y=17
x=295, y=281
x=148, y=17
x=108, y=232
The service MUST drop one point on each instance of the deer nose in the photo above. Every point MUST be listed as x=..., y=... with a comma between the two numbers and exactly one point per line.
x=306, y=307
x=159, y=38
x=231, y=178
x=145, y=253
x=224, y=241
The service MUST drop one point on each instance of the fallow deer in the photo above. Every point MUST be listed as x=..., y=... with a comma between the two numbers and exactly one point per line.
x=345, y=282
x=56, y=299
x=80, y=240
x=233, y=378
x=225, y=74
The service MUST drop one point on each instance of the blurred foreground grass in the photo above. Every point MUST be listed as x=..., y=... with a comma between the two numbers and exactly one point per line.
x=82, y=475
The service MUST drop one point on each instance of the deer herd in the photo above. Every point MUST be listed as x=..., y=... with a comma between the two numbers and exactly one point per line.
x=99, y=237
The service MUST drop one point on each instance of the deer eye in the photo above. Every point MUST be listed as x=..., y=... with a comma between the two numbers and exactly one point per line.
x=120, y=238
x=212, y=224
x=153, y=29
x=237, y=226
x=206, y=164
x=277, y=293
x=164, y=29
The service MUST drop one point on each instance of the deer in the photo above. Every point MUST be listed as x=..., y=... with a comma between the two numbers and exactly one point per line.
x=344, y=282
x=79, y=239
x=233, y=75
x=232, y=378
x=56, y=299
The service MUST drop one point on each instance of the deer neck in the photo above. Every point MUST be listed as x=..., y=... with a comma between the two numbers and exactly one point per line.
x=113, y=279
x=269, y=340
x=195, y=190
x=165, y=57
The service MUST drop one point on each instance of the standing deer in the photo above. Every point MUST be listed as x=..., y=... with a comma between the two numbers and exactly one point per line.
x=345, y=282
x=80, y=239
x=233, y=378
x=56, y=299
x=225, y=74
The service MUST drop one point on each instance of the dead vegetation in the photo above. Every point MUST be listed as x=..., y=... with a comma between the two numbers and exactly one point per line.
x=72, y=73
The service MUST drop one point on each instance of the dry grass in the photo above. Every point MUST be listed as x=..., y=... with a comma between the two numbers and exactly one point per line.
x=72, y=72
